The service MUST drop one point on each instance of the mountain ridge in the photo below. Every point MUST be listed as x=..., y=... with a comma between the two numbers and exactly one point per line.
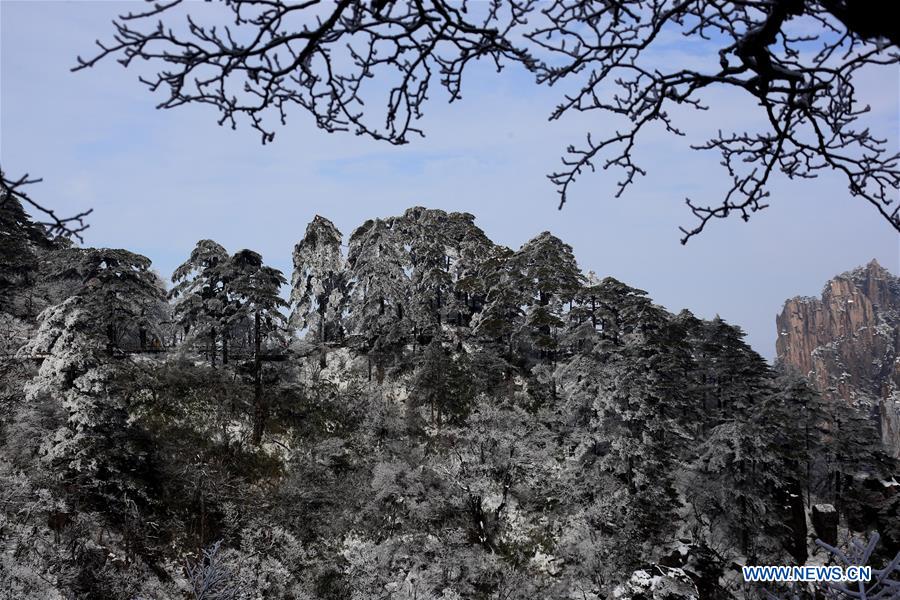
x=847, y=342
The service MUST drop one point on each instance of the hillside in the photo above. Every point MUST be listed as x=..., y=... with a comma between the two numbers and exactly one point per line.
x=430, y=416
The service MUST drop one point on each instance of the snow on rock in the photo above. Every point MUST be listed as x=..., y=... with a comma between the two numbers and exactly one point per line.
x=657, y=583
x=847, y=343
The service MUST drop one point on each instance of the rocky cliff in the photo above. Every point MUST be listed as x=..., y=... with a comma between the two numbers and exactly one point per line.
x=848, y=342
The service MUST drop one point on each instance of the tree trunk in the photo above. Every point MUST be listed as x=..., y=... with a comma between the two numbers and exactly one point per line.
x=808, y=465
x=798, y=524
x=110, y=338
x=439, y=305
x=323, y=361
x=259, y=409
x=212, y=349
x=745, y=534
x=224, y=349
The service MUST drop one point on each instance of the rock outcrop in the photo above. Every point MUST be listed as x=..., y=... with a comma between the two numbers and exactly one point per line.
x=848, y=342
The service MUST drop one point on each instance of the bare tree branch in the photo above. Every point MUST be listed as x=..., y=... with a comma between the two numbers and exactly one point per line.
x=797, y=60
x=804, y=84
x=55, y=225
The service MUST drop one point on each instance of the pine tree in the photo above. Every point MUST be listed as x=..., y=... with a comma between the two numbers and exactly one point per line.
x=740, y=486
x=470, y=249
x=604, y=311
x=550, y=277
x=854, y=453
x=255, y=287
x=620, y=309
x=116, y=295
x=796, y=427
x=443, y=384
x=737, y=374
x=583, y=319
x=427, y=235
x=804, y=428
x=502, y=319
x=747, y=466
x=378, y=309
x=126, y=295
x=23, y=244
x=702, y=376
x=625, y=392
x=201, y=301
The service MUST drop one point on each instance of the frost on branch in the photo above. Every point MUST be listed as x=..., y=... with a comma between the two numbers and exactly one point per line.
x=211, y=577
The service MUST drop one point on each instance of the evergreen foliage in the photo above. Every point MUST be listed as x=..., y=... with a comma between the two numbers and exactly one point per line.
x=489, y=423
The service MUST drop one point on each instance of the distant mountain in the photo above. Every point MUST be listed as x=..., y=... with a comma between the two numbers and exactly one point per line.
x=847, y=343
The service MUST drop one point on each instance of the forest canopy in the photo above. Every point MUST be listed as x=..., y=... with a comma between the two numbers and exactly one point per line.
x=431, y=415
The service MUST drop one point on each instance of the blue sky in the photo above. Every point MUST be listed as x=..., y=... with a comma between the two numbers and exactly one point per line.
x=160, y=180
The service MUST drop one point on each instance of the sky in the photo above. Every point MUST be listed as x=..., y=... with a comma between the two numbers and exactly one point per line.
x=158, y=181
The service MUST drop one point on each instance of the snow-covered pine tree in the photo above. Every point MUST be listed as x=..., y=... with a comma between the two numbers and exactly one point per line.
x=701, y=376
x=583, y=320
x=550, y=277
x=805, y=430
x=619, y=309
x=501, y=321
x=603, y=311
x=378, y=308
x=854, y=456
x=446, y=251
x=23, y=244
x=117, y=296
x=738, y=376
x=627, y=404
x=635, y=412
x=741, y=475
x=796, y=425
x=442, y=383
x=199, y=293
x=127, y=295
x=319, y=283
x=425, y=233
x=255, y=288
x=471, y=249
